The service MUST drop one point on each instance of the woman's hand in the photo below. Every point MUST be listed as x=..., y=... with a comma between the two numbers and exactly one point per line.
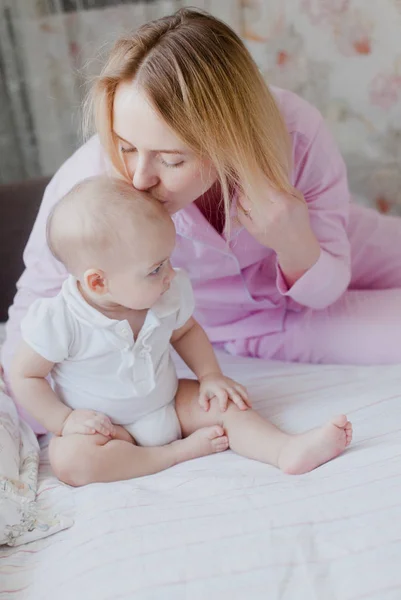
x=280, y=221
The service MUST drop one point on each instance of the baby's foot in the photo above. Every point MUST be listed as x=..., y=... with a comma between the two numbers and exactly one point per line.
x=202, y=442
x=304, y=452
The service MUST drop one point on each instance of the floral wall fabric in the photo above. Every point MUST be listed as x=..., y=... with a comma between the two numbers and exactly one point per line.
x=344, y=56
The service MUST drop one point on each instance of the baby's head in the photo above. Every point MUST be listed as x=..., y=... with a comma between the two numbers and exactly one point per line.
x=115, y=240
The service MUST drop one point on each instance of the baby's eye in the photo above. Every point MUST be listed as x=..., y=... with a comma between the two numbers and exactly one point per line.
x=156, y=271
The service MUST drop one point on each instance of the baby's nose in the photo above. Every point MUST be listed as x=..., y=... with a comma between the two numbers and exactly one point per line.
x=170, y=274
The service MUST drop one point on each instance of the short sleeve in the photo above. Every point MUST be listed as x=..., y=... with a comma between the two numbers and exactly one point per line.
x=46, y=329
x=187, y=301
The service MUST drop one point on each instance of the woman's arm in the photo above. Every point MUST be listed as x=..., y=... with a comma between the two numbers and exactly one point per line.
x=322, y=177
x=308, y=230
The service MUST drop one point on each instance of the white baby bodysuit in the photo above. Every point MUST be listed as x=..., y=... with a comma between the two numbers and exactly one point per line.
x=99, y=366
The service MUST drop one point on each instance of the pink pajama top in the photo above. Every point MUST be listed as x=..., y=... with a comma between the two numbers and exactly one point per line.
x=239, y=289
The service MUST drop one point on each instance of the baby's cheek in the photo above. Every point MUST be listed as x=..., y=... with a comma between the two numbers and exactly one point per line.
x=152, y=289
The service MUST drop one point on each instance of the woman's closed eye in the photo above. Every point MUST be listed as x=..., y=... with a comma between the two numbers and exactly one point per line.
x=172, y=165
x=165, y=163
x=126, y=150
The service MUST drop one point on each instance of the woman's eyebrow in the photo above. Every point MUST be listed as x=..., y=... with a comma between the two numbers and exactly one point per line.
x=162, y=151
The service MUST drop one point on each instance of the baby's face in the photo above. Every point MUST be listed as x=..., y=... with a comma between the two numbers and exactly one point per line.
x=139, y=281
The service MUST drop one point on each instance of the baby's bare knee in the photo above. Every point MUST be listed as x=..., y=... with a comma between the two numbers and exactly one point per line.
x=189, y=412
x=72, y=460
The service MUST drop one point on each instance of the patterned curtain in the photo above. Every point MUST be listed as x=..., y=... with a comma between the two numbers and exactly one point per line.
x=344, y=56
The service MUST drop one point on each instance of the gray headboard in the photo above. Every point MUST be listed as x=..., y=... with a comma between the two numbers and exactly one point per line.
x=19, y=204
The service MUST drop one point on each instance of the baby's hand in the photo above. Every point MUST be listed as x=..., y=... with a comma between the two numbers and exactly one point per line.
x=88, y=422
x=225, y=389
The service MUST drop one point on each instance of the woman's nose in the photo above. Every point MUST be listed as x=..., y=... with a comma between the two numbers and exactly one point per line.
x=144, y=178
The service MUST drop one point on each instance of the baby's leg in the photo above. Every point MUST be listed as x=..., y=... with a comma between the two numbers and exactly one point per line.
x=252, y=436
x=82, y=459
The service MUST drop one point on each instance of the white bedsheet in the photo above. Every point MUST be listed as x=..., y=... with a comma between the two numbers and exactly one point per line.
x=223, y=527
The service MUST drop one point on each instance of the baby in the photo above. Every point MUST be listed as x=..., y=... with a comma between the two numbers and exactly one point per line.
x=115, y=405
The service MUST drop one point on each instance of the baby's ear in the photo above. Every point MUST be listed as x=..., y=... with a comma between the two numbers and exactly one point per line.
x=95, y=281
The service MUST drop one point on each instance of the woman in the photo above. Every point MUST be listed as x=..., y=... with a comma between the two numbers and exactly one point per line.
x=282, y=265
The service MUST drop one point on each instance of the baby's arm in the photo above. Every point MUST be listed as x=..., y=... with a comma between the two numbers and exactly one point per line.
x=194, y=347
x=32, y=391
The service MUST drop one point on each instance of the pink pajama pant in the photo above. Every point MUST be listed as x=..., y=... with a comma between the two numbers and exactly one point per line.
x=364, y=325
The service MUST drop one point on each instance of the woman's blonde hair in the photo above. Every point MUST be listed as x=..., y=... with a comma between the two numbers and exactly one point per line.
x=201, y=79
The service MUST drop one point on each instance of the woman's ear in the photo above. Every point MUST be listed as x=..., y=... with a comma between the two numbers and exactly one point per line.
x=96, y=281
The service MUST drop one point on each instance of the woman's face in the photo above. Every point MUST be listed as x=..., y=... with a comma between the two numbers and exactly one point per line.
x=155, y=158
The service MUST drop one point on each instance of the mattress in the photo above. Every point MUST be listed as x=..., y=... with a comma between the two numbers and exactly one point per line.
x=226, y=527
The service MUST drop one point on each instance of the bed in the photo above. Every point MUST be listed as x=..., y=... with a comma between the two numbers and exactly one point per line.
x=226, y=527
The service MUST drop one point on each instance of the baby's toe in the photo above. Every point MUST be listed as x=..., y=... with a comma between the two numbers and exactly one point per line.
x=339, y=421
x=349, y=434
